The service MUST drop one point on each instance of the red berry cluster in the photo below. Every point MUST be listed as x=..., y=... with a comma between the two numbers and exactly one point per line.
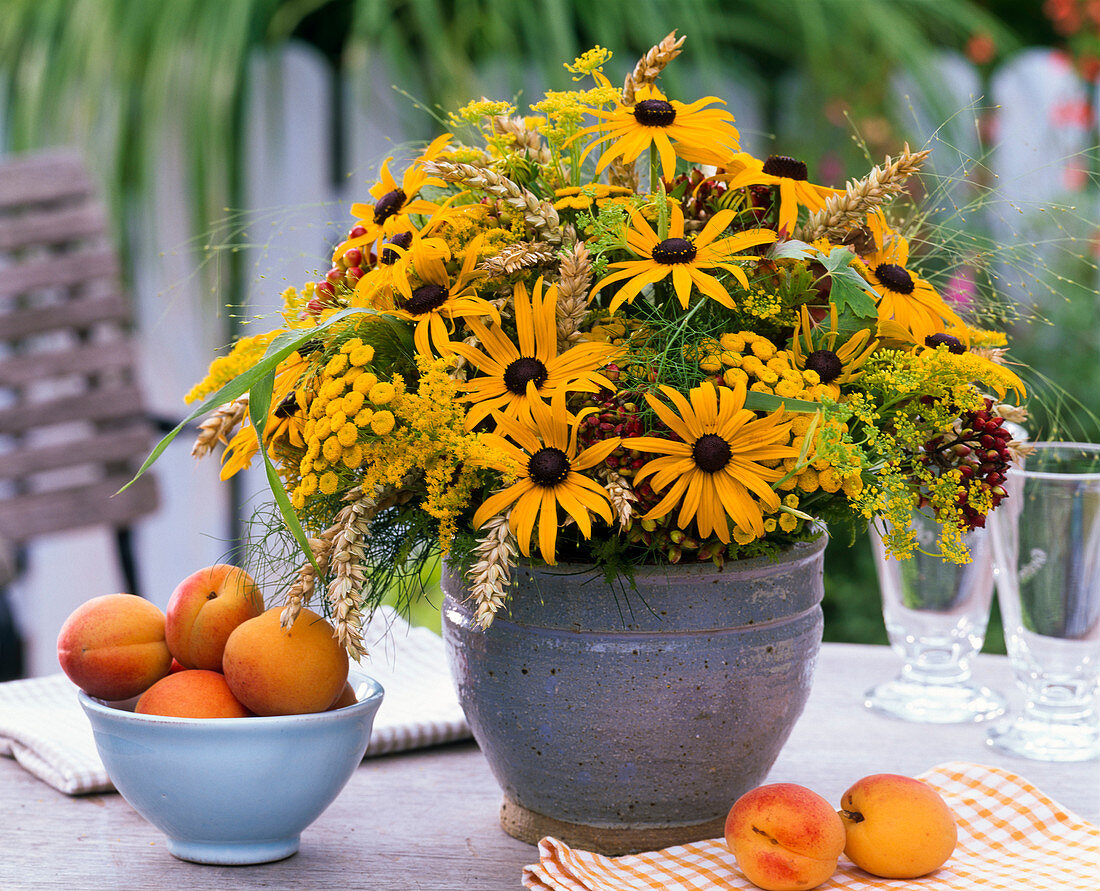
x=345, y=273
x=699, y=195
x=978, y=447
x=618, y=414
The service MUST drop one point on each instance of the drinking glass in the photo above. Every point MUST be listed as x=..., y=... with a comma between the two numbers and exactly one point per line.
x=1046, y=546
x=936, y=613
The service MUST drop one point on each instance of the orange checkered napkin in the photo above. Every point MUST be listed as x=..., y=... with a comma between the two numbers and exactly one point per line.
x=1011, y=837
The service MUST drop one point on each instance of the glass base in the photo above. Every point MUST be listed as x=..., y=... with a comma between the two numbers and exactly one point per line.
x=935, y=703
x=1046, y=740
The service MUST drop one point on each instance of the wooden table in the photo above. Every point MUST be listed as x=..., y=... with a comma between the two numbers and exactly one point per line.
x=428, y=819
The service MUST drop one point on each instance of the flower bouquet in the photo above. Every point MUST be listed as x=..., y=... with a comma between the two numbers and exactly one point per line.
x=600, y=332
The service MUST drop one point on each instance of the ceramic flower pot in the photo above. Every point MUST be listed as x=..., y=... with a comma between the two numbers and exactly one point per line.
x=624, y=720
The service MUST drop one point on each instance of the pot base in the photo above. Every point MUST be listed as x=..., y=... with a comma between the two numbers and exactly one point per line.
x=531, y=827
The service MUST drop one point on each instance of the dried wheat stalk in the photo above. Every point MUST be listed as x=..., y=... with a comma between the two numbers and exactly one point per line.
x=573, y=283
x=516, y=257
x=301, y=592
x=621, y=494
x=651, y=65
x=842, y=211
x=491, y=573
x=522, y=136
x=347, y=559
x=539, y=215
x=623, y=175
x=219, y=426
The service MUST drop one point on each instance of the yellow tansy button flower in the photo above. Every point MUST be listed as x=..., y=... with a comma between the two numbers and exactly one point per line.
x=364, y=382
x=382, y=393
x=347, y=435
x=382, y=422
x=336, y=365
x=353, y=401
x=361, y=355
x=332, y=449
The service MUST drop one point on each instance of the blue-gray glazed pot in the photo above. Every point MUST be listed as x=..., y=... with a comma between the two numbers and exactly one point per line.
x=625, y=720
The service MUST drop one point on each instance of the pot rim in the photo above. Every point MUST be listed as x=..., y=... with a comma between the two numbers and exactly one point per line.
x=800, y=550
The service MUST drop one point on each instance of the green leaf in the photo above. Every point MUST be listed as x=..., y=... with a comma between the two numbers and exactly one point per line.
x=848, y=290
x=849, y=296
x=245, y=382
x=790, y=249
x=259, y=404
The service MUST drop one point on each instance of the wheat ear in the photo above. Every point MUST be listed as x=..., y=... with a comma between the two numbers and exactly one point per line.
x=219, y=426
x=539, y=215
x=522, y=136
x=495, y=555
x=621, y=493
x=301, y=592
x=348, y=558
x=573, y=283
x=515, y=257
x=651, y=65
x=843, y=211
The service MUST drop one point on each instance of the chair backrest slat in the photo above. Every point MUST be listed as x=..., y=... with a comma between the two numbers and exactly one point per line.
x=53, y=225
x=107, y=404
x=73, y=424
x=43, y=178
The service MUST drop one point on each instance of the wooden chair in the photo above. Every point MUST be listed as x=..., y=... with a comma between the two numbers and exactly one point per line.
x=73, y=424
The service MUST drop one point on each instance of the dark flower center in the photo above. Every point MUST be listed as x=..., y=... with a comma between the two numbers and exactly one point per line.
x=674, y=250
x=896, y=278
x=388, y=205
x=401, y=240
x=786, y=167
x=654, y=113
x=953, y=344
x=426, y=298
x=548, y=466
x=826, y=364
x=522, y=370
x=711, y=453
x=287, y=407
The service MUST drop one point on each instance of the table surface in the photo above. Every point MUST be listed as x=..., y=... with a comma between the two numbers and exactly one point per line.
x=428, y=819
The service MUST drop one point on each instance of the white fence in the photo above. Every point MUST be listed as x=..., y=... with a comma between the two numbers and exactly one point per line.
x=1044, y=129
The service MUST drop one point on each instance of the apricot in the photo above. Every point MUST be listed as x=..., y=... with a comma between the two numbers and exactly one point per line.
x=897, y=827
x=113, y=646
x=346, y=697
x=785, y=837
x=285, y=671
x=203, y=611
x=191, y=693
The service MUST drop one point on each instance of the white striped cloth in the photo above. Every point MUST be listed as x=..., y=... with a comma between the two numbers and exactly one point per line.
x=43, y=727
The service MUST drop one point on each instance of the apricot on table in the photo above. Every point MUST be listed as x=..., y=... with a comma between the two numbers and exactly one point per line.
x=113, y=646
x=191, y=693
x=203, y=611
x=285, y=671
x=897, y=827
x=785, y=837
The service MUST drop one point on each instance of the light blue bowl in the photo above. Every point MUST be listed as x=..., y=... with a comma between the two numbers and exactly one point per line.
x=234, y=791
